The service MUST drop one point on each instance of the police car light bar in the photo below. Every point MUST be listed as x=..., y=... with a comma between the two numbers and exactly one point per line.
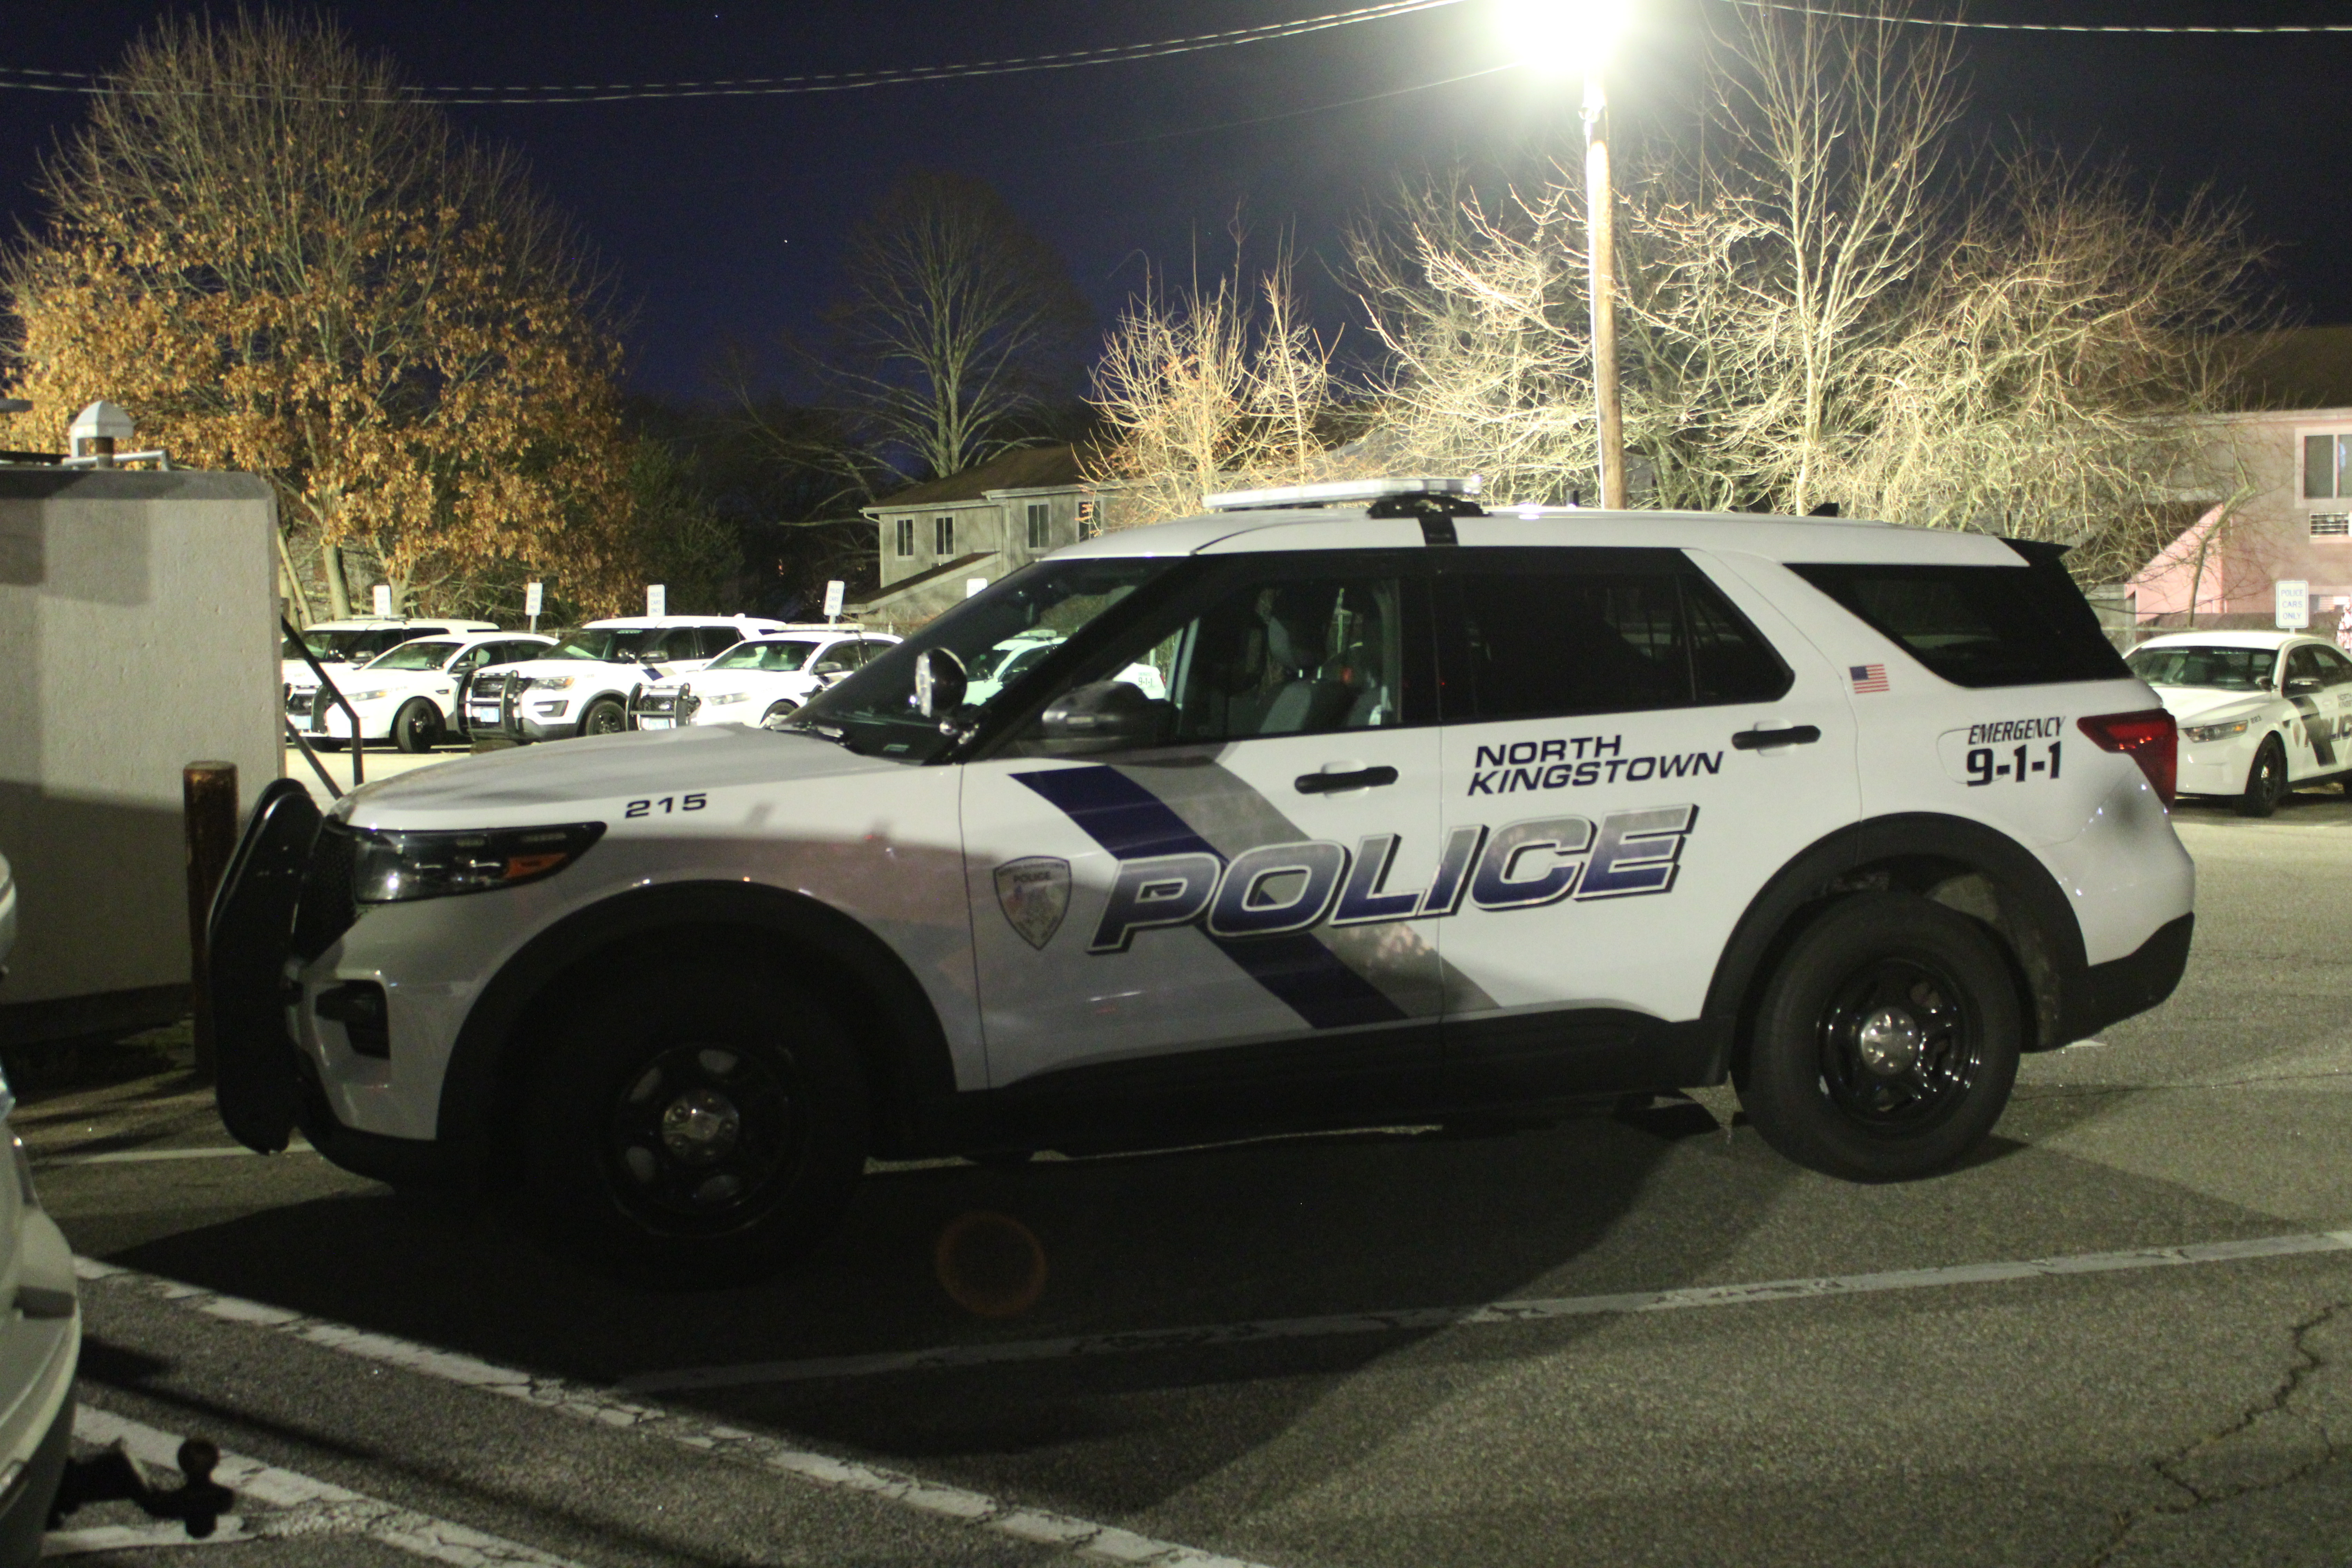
x=1336, y=492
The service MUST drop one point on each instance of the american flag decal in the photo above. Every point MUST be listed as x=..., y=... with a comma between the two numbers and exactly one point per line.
x=1867, y=676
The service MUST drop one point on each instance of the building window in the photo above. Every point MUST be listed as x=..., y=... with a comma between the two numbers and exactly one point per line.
x=2326, y=467
x=2330, y=525
x=905, y=536
x=943, y=536
x=1040, y=532
x=1089, y=523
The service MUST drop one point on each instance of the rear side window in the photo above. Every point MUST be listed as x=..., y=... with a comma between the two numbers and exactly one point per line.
x=1553, y=632
x=2026, y=624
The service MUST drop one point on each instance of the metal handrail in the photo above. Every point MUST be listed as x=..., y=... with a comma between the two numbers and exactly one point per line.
x=334, y=790
x=359, y=744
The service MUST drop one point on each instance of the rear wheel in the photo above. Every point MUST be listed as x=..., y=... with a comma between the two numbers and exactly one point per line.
x=417, y=726
x=696, y=1124
x=606, y=716
x=1887, y=1042
x=2266, y=781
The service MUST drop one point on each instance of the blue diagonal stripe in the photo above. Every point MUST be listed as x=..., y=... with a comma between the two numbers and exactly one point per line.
x=1133, y=824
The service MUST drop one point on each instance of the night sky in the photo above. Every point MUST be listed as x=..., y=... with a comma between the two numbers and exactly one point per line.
x=720, y=216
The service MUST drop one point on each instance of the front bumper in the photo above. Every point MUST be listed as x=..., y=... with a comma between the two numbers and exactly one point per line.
x=511, y=713
x=2217, y=767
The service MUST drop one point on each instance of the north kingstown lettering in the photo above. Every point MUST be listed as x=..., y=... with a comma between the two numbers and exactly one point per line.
x=1522, y=780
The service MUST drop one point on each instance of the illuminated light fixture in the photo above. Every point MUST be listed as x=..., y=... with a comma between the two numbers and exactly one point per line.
x=1561, y=36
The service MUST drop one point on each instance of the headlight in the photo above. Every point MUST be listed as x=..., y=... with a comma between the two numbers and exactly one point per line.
x=553, y=682
x=2216, y=731
x=374, y=696
x=393, y=867
x=722, y=701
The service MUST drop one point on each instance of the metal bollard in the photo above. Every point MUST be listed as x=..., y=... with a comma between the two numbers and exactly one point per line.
x=208, y=797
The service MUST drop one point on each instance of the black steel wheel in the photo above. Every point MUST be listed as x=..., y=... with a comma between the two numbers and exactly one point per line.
x=1887, y=1041
x=2266, y=781
x=606, y=716
x=417, y=726
x=694, y=1125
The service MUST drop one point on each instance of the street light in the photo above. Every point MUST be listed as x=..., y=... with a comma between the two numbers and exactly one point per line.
x=1563, y=37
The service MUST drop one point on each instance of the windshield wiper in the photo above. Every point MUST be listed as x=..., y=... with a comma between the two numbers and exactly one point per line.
x=834, y=733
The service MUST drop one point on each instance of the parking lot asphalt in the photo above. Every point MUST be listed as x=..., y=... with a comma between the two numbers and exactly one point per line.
x=2121, y=1335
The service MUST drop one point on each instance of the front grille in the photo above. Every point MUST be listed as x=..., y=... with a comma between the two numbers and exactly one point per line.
x=657, y=703
x=298, y=699
x=327, y=909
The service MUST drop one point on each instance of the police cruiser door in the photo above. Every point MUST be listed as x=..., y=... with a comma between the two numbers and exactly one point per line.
x=1256, y=872
x=1628, y=758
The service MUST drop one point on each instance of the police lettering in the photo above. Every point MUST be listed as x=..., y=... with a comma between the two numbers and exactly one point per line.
x=1274, y=890
x=1576, y=761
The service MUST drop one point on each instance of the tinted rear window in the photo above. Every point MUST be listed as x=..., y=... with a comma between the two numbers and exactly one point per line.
x=2026, y=624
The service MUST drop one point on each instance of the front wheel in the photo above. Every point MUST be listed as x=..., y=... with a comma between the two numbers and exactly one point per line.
x=1887, y=1041
x=777, y=713
x=694, y=1125
x=606, y=716
x=2266, y=781
x=417, y=726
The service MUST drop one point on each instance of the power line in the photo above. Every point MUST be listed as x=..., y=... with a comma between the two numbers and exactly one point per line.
x=1804, y=10
x=29, y=79
x=1312, y=109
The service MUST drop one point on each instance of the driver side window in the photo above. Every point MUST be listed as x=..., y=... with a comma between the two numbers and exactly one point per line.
x=2302, y=664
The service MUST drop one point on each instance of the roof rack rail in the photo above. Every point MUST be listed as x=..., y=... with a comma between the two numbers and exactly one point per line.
x=1338, y=492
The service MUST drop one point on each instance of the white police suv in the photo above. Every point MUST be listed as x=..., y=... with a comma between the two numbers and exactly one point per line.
x=583, y=686
x=1438, y=813
x=408, y=694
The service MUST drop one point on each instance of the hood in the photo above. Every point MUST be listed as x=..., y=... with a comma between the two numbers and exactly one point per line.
x=537, y=783
x=2208, y=705
x=707, y=681
x=593, y=668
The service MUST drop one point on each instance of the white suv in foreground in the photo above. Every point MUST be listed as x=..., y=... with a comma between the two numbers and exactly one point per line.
x=1438, y=813
x=584, y=685
x=762, y=681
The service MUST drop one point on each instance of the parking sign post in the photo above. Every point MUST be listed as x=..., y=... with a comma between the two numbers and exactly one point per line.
x=532, y=598
x=656, y=599
x=832, y=593
x=2292, y=603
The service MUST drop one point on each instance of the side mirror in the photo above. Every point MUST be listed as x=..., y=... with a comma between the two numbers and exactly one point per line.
x=939, y=683
x=829, y=666
x=1107, y=716
x=2301, y=685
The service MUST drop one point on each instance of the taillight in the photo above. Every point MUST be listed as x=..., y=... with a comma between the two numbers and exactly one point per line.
x=2148, y=737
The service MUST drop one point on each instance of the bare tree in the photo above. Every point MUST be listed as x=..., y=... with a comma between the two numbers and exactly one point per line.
x=1213, y=390
x=1810, y=318
x=280, y=260
x=956, y=320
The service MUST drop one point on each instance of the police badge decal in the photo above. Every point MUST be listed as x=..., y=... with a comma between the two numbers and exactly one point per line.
x=1034, y=892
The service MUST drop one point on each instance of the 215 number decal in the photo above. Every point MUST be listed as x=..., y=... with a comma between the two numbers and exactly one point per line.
x=2020, y=765
x=669, y=803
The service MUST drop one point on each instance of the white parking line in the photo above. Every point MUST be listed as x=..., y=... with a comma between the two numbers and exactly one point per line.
x=292, y=1504
x=138, y=1156
x=609, y=1408
x=1423, y=1318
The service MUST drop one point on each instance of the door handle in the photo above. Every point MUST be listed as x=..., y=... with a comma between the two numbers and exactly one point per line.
x=1787, y=736
x=1331, y=783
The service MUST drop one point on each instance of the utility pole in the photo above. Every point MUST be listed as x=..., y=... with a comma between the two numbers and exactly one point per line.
x=1600, y=242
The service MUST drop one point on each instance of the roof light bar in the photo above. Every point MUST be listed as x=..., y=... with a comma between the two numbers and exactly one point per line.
x=1336, y=492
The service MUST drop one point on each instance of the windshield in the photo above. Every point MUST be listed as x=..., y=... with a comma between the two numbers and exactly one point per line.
x=608, y=645
x=2219, y=669
x=415, y=656
x=348, y=647
x=776, y=658
x=1016, y=621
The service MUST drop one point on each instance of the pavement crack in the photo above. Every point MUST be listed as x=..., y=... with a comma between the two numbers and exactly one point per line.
x=2178, y=1470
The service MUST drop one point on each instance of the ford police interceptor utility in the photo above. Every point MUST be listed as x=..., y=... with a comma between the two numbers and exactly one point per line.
x=2259, y=713
x=584, y=685
x=763, y=680
x=1438, y=813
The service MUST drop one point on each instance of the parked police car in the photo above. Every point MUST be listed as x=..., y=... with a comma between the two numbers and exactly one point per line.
x=583, y=686
x=408, y=694
x=1441, y=813
x=360, y=640
x=2259, y=713
x=763, y=680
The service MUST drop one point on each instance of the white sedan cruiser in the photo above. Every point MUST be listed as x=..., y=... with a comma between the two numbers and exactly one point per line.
x=1430, y=813
x=764, y=680
x=2259, y=713
x=411, y=694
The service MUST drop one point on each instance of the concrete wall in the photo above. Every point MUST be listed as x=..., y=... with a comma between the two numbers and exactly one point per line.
x=137, y=632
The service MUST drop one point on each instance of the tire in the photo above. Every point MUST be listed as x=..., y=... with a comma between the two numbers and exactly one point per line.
x=1807, y=1084
x=417, y=726
x=778, y=713
x=606, y=716
x=694, y=1124
x=2266, y=781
